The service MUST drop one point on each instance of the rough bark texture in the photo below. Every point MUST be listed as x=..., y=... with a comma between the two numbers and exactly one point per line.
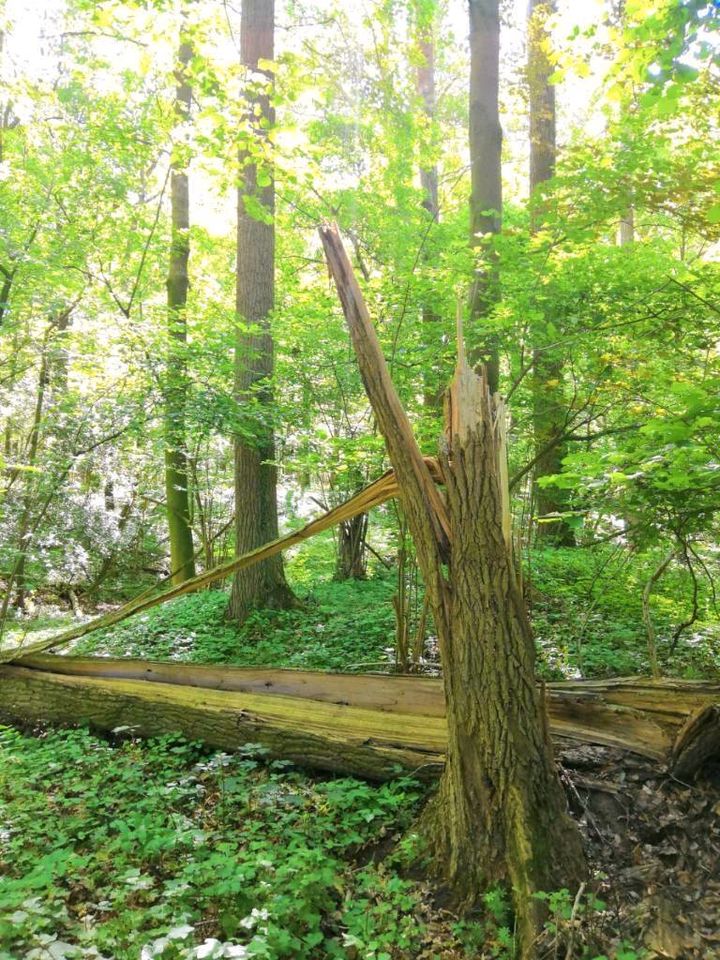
x=549, y=406
x=500, y=813
x=673, y=722
x=256, y=520
x=177, y=497
x=486, y=171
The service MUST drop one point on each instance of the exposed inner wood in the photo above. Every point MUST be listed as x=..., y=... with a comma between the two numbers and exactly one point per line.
x=673, y=722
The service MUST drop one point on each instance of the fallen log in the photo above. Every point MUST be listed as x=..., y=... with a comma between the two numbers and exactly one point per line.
x=371, y=725
x=318, y=735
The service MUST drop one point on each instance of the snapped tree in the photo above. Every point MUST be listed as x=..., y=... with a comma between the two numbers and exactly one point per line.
x=499, y=815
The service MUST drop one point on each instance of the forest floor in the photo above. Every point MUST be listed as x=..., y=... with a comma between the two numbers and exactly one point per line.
x=121, y=849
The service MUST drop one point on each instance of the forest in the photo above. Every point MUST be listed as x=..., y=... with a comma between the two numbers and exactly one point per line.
x=359, y=479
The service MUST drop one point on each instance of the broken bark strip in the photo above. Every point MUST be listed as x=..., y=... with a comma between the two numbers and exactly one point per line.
x=375, y=494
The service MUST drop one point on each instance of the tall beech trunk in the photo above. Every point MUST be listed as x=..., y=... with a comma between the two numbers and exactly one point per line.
x=499, y=815
x=425, y=87
x=177, y=496
x=549, y=406
x=256, y=520
x=486, y=173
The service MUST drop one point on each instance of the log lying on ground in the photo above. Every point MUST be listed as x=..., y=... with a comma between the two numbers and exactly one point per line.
x=317, y=735
x=370, y=725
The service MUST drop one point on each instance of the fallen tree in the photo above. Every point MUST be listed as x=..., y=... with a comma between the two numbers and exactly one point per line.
x=373, y=726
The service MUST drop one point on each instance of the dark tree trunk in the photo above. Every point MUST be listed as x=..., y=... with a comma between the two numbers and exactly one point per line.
x=425, y=86
x=177, y=495
x=549, y=406
x=256, y=520
x=351, y=555
x=486, y=174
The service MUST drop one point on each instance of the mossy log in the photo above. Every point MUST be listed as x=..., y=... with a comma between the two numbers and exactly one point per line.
x=369, y=725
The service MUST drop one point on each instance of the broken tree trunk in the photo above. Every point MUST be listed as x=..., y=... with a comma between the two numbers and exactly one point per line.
x=500, y=814
x=673, y=722
x=376, y=493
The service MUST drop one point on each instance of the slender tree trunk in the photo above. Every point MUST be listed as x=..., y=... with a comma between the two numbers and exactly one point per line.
x=177, y=496
x=626, y=228
x=549, y=406
x=500, y=815
x=17, y=574
x=486, y=174
x=256, y=520
x=425, y=87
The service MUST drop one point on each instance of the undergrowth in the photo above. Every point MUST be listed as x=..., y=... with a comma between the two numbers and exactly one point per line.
x=586, y=609
x=162, y=849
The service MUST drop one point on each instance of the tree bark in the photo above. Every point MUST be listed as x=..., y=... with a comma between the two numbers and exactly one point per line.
x=368, y=725
x=425, y=86
x=486, y=175
x=549, y=406
x=177, y=495
x=256, y=520
x=500, y=812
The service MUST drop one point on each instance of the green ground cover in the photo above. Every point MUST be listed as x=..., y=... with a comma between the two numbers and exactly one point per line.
x=120, y=849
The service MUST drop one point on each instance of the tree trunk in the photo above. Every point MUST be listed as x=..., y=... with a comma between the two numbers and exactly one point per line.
x=626, y=228
x=17, y=578
x=177, y=496
x=351, y=557
x=500, y=812
x=425, y=86
x=549, y=407
x=256, y=520
x=486, y=174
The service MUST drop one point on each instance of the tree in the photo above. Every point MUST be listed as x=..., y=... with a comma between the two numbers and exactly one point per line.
x=485, y=174
x=256, y=520
x=549, y=406
x=177, y=481
x=425, y=28
x=499, y=816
